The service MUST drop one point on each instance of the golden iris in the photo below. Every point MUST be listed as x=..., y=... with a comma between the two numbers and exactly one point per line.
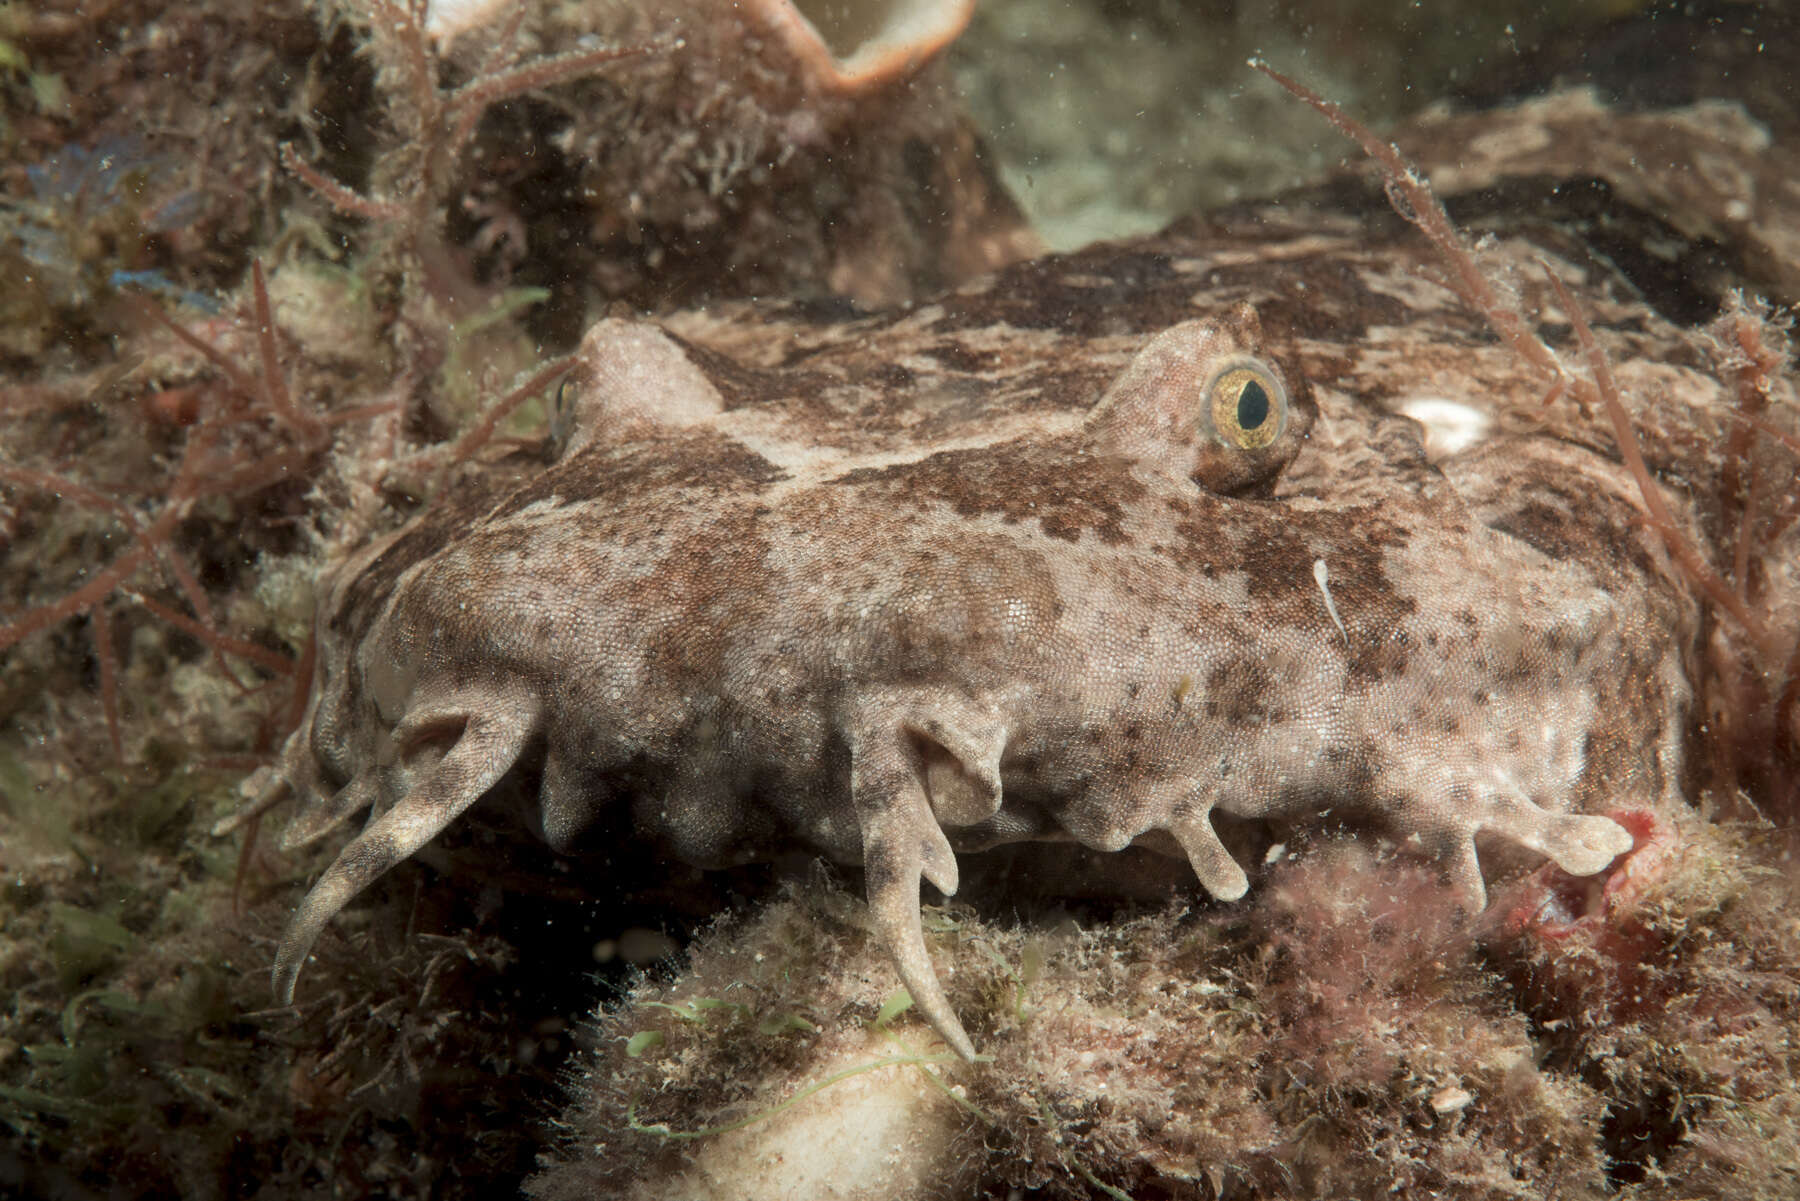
x=1249, y=405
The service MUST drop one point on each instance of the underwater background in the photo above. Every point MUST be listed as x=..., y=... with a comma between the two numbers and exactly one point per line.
x=263, y=266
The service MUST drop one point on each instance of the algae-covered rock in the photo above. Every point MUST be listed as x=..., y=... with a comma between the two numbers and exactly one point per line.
x=1340, y=1034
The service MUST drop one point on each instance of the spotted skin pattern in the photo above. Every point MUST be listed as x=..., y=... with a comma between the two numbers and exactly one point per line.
x=1117, y=540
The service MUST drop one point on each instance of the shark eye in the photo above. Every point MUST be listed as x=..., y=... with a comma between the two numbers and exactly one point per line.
x=1249, y=406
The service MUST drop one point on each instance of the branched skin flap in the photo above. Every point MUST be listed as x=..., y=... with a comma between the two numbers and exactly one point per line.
x=1019, y=603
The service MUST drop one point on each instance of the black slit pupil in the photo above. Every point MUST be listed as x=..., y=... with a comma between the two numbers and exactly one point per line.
x=1253, y=406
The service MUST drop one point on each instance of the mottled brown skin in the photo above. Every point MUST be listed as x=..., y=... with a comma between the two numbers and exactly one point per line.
x=986, y=572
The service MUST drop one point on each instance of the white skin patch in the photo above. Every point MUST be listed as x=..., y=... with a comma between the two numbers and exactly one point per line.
x=1451, y=426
